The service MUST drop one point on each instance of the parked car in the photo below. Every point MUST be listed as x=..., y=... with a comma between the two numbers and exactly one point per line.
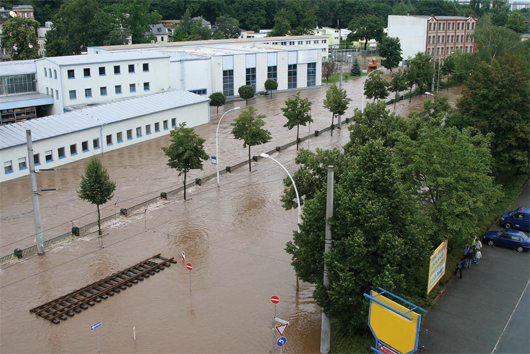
x=508, y=238
x=517, y=219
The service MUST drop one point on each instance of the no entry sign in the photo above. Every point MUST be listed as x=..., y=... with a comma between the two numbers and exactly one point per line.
x=189, y=266
x=275, y=299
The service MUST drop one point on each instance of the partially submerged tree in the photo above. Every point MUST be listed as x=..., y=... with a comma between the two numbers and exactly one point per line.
x=249, y=128
x=336, y=102
x=390, y=51
x=186, y=151
x=271, y=85
x=375, y=87
x=96, y=186
x=217, y=99
x=297, y=112
x=397, y=84
x=328, y=69
x=246, y=92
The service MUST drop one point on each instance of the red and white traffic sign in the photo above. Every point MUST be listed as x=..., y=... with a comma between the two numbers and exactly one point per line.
x=281, y=328
x=189, y=266
x=275, y=299
x=183, y=256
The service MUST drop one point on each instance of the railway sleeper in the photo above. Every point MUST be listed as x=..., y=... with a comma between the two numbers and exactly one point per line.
x=77, y=310
x=91, y=303
x=83, y=306
x=97, y=299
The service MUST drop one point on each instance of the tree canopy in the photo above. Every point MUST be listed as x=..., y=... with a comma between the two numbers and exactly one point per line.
x=336, y=102
x=228, y=27
x=217, y=99
x=297, y=110
x=390, y=51
x=375, y=87
x=246, y=92
x=366, y=27
x=19, y=36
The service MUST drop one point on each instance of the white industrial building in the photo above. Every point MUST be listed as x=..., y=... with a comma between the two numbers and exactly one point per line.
x=68, y=137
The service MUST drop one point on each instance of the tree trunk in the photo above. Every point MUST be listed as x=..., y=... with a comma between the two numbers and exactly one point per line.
x=184, y=185
x=365, y=43
x=332, y=122
x=99, y=221
x=395, y=99
x=249, y=160
x=297, y=135
x=217, y=110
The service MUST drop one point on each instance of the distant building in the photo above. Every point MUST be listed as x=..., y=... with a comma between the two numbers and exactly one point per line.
x=437, y=36
x=203, y=21
x=159, y=31
x=41, y=37
x=333, y=35
x=25, y=11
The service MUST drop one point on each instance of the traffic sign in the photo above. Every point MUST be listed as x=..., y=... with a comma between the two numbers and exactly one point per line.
x=183, y=256
x=281, y=341
x=96, y=325
x=189, y=266
x=214, y=160
x=281, y=328
x=275, y=299
x=281, y=321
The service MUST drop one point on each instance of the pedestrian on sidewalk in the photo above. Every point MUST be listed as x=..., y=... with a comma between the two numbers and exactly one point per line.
x=478, y=257
x=466, y=251
x=469, y=258
x=474, y=244
x=459, y=267
x=479, y=247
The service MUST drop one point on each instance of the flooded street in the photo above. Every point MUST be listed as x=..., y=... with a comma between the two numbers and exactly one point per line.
x=234, y=236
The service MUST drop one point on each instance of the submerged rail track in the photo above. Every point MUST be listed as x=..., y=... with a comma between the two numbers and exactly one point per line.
x=68, y=305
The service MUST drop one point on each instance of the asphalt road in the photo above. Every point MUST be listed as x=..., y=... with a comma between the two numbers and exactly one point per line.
x=487, y=311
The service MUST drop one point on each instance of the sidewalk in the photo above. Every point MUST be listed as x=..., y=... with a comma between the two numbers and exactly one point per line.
x=487, y=310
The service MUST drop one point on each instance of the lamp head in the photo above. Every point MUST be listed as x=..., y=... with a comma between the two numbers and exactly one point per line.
x=264, y=155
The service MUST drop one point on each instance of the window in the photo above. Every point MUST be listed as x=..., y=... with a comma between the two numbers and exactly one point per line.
x=429, y=39
x=84, y=146
x=73, y=95
x=291, y=76
x=173, y=122
x=45, y=72
x=36, y=159
x=22, y=163
x=73, y=149
x=47, y=91
x=49, y=156
x=146, y=86
x=157, y=127
x=95, y=143
x=103, y=91
x=473, y=25
x=430, y=26
x=468, y=25
x=132, y=88
x=311, y=74
x=228, y=83
x=165, y=125
x=200, y=92
x=146, y=67
x=86, y=72
x=8, y=167
x=88, y=92
x=119, y=137
x=251, y=77
x=117, y=89
x=56, y=94
x=116, y=70
x=50, y=72
x=139, y=132
x=54, y=73
x=102, y=71
x=109, y=139
x=131, y=68
x=148, y=129
x=71, y=74
x=272, y=73
x=61, y=153
x=129, y=134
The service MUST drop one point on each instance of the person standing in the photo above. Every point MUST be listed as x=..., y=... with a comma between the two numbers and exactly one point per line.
x=478, y=246
x=469, y=258
x=478, y=256
x=460, y=266
x=466, y=251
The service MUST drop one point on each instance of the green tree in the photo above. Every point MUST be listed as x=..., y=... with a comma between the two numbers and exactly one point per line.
x=252, y=14
x=246, y=92
x=390, y=51
x=495, y=100
x=186, y=151
x=500, y=9
x=297, y=110
x=19, y=36
x=403, y=8
x=190, y=30
x=375, y=87
x=105, y=29
x=228, y=26
x=410, y=79
x=281, y=26
x=336, y=102
x=217, y=99
x=448, y=172
x=328, y=69
x=518, y=21
x=421, y=65
x=378, y=240
x=249, y=128
x=300, y=15
x=355, y=68
x=271, y=85
x=96, y=186
x=366, y=27
x=135, y=16
x=397, y=84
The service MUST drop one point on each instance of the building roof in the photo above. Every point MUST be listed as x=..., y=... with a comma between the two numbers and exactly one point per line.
x=17, y=67
x=66, y=123
x=104, y=58
x=157, y=29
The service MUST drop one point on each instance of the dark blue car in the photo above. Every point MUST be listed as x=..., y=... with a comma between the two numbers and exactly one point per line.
x=508, y=238
x=516, y=219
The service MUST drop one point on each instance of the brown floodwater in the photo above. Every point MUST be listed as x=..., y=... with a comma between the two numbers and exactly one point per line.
x=234, y=236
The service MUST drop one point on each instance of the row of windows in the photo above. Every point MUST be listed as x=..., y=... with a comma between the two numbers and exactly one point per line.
x=324, y=41
x=200, y=92
x=451, y=26
x=449, y=50
x=17, y=84
x=103, y=71
x=450, y=39
x=61, y=152
x=103, y=90
x=49, y=92
x=292, y=71
x=48, y=70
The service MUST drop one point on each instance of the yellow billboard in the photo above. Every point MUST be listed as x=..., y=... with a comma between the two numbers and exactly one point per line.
x=437, y=265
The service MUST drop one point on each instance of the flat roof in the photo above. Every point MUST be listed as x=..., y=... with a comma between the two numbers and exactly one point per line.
x=87, y=118
x=104, y=58
x=22, y=100
x=17, y=67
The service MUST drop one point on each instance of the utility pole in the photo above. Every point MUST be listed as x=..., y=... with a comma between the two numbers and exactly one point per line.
x=326, y=327
x=340, y=88
x=34, y=195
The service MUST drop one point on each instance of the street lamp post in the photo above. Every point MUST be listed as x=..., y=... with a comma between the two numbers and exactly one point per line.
x=217, y=141
x=362, y=97
x=294, y=185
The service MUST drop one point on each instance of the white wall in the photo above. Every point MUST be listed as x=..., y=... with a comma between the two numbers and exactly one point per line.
x=411, y=31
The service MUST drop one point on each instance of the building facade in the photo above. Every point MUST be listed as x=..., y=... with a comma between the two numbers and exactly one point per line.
x=437, y=36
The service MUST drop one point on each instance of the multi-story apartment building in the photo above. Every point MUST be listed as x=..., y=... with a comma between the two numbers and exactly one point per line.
x=437, y=36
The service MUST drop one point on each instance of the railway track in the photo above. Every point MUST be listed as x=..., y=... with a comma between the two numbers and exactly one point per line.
x=68, y=305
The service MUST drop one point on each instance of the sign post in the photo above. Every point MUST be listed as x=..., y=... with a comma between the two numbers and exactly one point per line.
x=183, y=256
x=281, y=342
x=189, y=267
x=95, y=327
x=275, y=300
